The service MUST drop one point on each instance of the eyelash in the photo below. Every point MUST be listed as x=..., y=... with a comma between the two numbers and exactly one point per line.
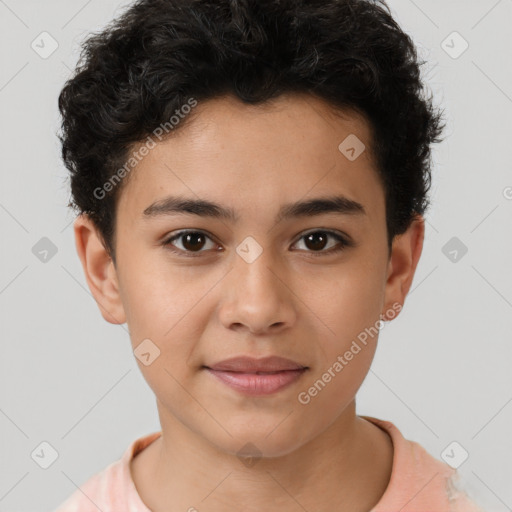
x=343, y=243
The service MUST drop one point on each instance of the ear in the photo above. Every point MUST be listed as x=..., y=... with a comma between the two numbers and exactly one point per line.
x=99, y=270
x=405, y=254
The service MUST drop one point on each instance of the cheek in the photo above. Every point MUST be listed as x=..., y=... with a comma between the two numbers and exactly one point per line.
x=348, y=299
x=349, y=304
x=351, y=310
x=162, y=314
x=155, y=293
x=165, y=303
x=340, y=382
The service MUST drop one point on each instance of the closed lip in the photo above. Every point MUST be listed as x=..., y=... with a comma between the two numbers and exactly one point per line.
x=248, y=364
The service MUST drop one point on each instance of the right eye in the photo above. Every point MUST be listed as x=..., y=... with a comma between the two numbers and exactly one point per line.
x=191, y=241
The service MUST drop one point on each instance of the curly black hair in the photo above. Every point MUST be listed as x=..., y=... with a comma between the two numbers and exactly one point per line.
x=133, y=76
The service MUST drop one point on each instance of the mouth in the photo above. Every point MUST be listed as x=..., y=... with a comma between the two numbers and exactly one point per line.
x=257, y=377
x=249, y=364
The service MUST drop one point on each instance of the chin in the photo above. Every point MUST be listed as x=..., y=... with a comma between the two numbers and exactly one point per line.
x=265, y=440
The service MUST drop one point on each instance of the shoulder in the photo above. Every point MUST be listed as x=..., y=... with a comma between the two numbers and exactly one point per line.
x=96, y=492
x=419, y=482
x=112, y=488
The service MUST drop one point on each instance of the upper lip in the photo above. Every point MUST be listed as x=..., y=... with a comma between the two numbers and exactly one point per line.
x=249, y=364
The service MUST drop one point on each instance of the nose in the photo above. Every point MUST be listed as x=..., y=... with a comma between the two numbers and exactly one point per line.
x=258, y=296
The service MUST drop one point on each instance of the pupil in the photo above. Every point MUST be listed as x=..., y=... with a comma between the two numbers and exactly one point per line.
x=190, y=245
x=315, y=237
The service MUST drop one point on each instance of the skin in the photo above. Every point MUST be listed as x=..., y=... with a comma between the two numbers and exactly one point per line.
x=288, y=302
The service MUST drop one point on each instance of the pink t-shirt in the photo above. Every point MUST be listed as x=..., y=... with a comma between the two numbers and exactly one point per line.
x=419, y=482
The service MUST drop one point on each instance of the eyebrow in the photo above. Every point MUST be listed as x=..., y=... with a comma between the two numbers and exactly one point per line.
x=204, y=208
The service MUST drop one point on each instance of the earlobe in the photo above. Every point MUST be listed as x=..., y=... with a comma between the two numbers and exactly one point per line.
x=405, y=255
x=99, y=270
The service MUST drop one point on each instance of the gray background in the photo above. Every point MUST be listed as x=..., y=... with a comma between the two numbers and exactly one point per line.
x=442, y=370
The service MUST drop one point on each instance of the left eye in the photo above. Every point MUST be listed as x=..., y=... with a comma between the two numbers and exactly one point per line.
x=192, y=242
x=317, y=241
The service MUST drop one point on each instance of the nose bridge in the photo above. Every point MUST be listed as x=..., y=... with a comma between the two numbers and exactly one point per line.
x=255, y=270
x=258, y=298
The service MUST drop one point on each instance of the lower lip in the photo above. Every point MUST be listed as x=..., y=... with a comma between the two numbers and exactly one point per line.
x=258, y=384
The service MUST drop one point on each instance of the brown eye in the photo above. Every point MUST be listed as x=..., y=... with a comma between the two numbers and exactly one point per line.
x=191, y=242
x=317, y=241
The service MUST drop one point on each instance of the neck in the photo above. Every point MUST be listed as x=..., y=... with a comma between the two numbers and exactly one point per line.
x=348, y=466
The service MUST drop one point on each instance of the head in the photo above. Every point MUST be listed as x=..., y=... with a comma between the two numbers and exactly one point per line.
x=235, y=121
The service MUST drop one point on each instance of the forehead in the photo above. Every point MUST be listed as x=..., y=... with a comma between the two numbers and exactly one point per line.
x=253, y=157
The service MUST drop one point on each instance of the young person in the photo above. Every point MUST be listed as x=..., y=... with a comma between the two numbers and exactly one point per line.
x=251, y=179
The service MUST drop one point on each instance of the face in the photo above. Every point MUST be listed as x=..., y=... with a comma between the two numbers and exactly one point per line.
x=269, y=279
